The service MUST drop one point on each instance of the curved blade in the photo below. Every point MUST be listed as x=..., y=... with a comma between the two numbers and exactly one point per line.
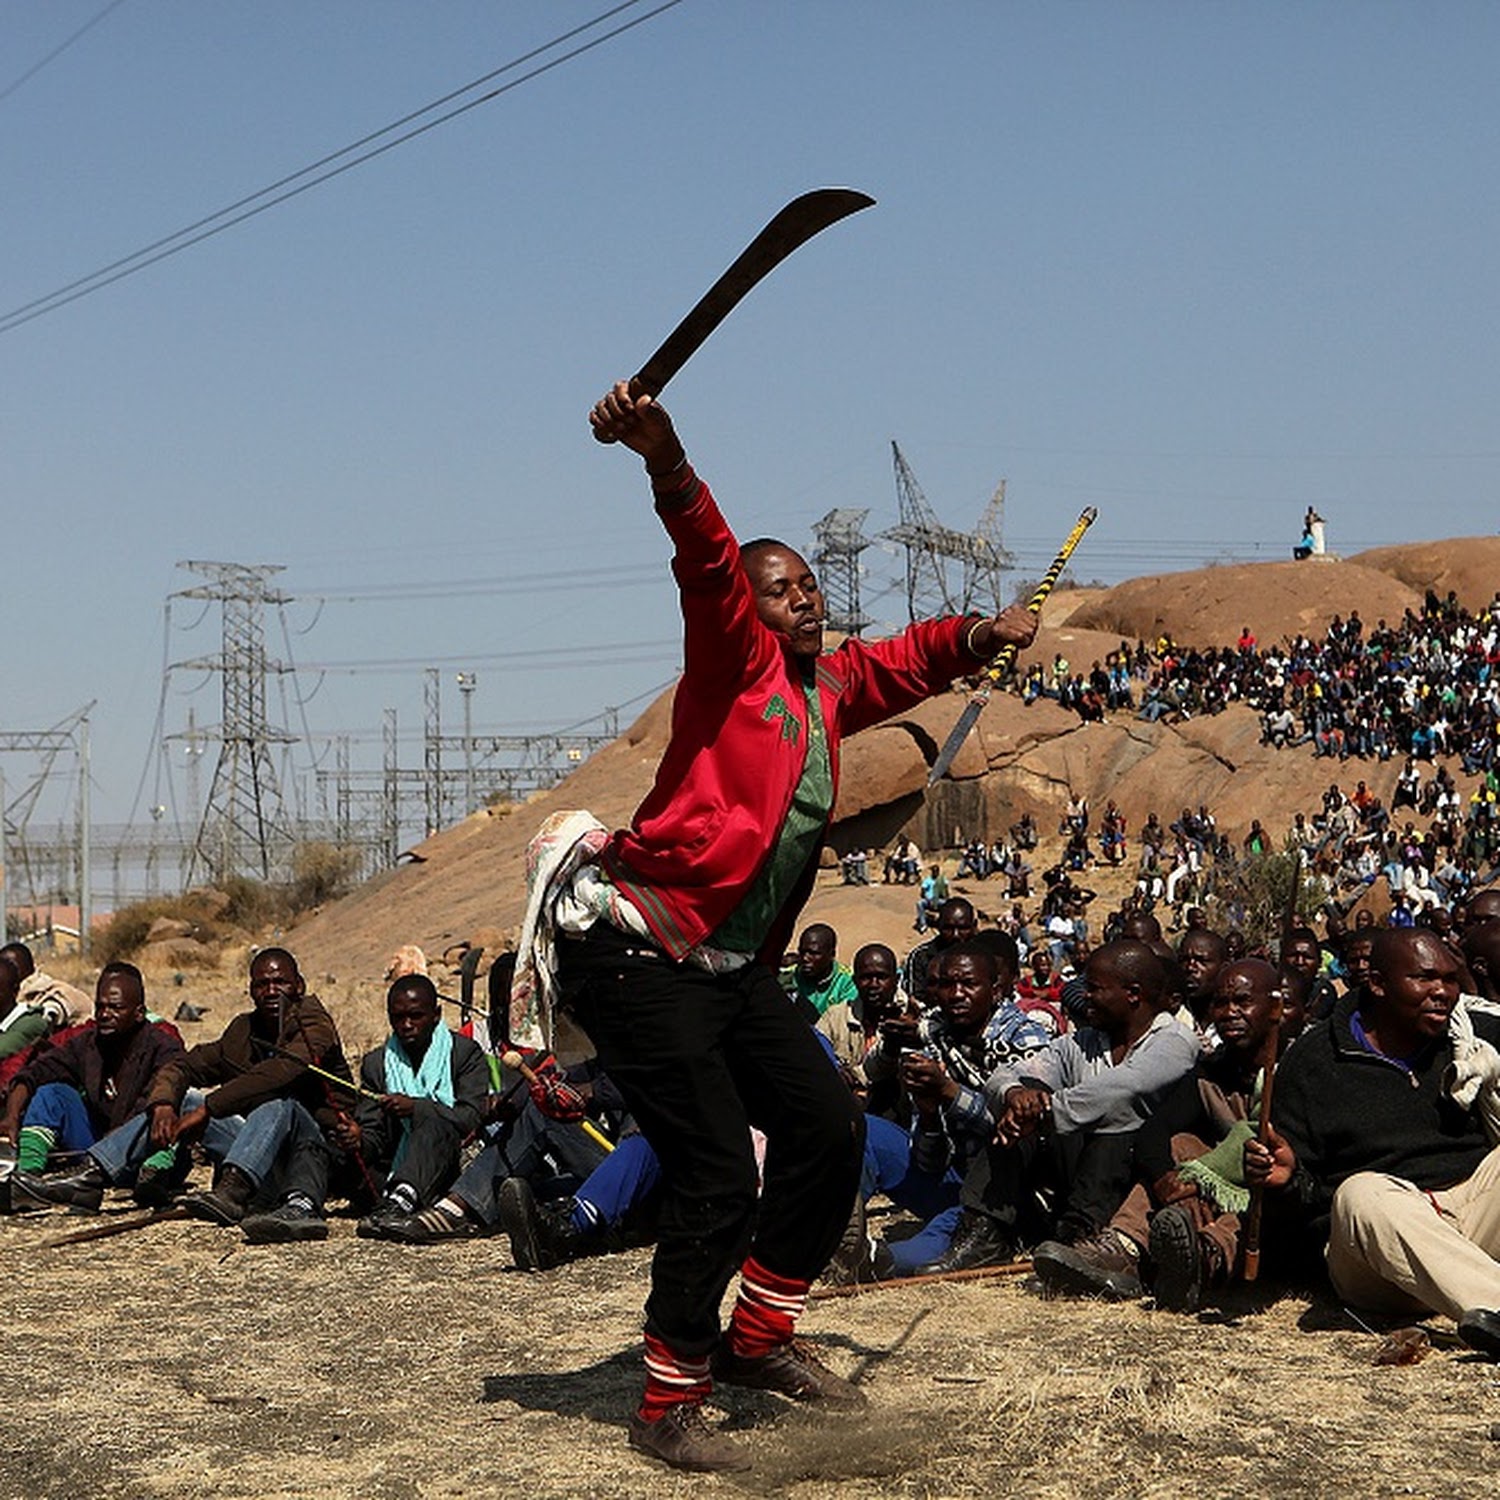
x=797, y=223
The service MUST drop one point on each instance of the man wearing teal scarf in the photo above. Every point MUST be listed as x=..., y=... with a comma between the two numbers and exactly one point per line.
x=425, y=1092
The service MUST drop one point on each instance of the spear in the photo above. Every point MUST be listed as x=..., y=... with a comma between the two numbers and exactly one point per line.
x=1002, y=663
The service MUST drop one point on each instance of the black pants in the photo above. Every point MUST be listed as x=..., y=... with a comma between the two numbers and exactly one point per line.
x=559, y=1152
x=431, y=1159
x=1087, y=1175
x=699, y=1059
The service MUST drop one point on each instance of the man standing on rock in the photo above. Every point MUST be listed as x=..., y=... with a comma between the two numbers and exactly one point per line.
x=672, y=973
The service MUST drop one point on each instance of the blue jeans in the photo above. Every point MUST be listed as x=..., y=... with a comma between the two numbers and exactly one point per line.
x=888, y=1170
x=59, y=1107
x=250, y=1142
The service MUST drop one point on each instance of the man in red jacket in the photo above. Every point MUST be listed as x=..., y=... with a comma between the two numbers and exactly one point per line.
x=676, y=982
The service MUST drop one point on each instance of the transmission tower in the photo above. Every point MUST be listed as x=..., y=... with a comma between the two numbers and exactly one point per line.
x=839, y=541
x=931, y=547
x=244, y=828
x=982, y=587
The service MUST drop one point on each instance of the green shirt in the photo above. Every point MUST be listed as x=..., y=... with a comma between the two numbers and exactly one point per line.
x=797, y=842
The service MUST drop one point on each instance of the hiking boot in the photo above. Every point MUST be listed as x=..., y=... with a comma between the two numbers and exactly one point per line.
x=226, y=1202
x=851, y=1261
x=289, y=1223
x=1108, y=1265
x=83, y=1189
x=977, y=1241
x=1479, y=1328
x=861, y=1261
x=684, y=1440
x=540, y=1238
x=430, y=1226
x=1186, y=1262
x=790, y=1369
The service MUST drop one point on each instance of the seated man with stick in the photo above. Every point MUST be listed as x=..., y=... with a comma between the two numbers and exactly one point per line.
x=422, y=1095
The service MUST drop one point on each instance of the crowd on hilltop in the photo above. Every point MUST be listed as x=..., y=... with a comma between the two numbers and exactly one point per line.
x=1426, y=687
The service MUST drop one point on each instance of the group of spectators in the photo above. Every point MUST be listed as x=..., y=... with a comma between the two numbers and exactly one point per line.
x=1425, y=687
x=1026, y=1092
x=1102, y=1115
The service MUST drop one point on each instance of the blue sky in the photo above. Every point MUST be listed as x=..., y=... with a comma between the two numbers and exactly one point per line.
x=1198, y=265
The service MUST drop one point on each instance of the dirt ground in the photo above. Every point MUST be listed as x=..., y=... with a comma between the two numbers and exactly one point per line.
x=181, y=1362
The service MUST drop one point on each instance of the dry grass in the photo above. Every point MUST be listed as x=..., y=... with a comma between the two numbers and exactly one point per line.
x=180, y=1362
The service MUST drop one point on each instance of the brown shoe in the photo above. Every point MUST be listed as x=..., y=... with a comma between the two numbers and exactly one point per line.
x=227, y=1202
x=1099, y=1267
x=683, y=1439
x=790, y=1369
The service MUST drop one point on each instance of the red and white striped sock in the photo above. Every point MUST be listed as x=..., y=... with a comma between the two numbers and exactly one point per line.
x=766, y=1311
x=672, y=1380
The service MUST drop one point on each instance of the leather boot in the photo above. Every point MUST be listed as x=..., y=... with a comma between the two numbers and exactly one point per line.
x=226, y=1202
x=977, y=1241
x=83, y=1189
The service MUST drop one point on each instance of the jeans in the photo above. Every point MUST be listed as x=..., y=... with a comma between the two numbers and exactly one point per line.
x=531, y=1146
x=122, y=1152
x=59, y=1107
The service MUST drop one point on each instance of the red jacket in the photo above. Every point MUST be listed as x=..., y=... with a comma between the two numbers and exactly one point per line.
x=739, y=735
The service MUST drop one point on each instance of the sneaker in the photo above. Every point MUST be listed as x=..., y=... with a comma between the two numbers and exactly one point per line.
x=430, y=1226
x=1108, y=1265
x=790, y=1369
x=977, y=1241
x=683, y=1439
x=378, y=1223
x=287, y=1224
x=79, y=1190
x=1181, y=1270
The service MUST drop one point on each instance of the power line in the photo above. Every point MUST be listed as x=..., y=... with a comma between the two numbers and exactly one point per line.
x=622, y=653
x=625, y=575
x=58, y=50
x=248, y=207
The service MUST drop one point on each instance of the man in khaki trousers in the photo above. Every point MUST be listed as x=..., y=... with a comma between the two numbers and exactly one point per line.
x=1371, y=1143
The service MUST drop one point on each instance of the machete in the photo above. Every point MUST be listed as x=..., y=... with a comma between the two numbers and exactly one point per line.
x=794, y=226
x=1001, y=664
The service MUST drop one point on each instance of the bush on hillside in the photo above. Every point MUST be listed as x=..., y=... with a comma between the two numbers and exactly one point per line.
x=239, y=908
x=1257, y=892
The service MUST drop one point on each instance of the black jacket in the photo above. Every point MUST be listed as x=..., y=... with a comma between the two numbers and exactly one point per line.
x=1344, y=1109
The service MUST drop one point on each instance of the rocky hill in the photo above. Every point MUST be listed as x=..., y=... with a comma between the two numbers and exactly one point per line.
x=468, y=883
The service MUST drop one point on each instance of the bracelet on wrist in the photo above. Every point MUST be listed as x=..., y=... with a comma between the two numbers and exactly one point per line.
x=658, y=475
